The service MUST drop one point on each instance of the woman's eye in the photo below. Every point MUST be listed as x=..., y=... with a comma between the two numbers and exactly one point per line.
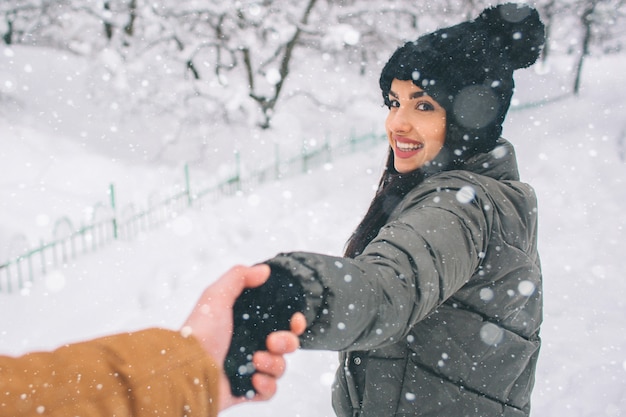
x=391, y=103
x=425, y=106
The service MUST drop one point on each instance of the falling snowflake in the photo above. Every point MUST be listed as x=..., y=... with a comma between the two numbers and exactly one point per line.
x=491, y=334
x=526, y=288
x=466, y=194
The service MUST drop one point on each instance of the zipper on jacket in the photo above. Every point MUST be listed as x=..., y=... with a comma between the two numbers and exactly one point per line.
x=353, y=394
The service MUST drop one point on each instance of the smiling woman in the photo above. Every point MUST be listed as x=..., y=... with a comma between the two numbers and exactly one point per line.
x=436, y=304
x=416, y=126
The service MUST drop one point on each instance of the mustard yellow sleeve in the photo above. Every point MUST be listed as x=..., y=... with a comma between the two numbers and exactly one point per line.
x=153, y=372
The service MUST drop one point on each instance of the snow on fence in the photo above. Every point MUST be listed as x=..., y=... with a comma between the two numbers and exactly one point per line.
x=108, y=223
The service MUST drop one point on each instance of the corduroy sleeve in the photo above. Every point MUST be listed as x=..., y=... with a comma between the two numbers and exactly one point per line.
x=146, y=373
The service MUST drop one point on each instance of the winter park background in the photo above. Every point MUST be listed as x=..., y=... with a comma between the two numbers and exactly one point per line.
x=64, y=140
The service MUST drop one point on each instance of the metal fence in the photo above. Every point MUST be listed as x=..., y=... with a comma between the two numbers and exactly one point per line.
x=108, y=223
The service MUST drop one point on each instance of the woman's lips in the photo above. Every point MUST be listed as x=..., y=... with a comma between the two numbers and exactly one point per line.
x=406, y=148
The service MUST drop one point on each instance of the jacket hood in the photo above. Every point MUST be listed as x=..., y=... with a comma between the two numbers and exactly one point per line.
x=499, y=163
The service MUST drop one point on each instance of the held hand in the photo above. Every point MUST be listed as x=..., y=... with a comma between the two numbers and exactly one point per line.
x=257, y=313
x=212, y=324
x=270, y=364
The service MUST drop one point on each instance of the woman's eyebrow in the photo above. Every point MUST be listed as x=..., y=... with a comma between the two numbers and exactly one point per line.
x=414, y=95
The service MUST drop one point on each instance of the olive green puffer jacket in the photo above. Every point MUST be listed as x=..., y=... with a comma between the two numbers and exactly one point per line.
x=440, y=314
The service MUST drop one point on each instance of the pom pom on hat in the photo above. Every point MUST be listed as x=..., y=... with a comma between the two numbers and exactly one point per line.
x=520, y=30
x=468, y=69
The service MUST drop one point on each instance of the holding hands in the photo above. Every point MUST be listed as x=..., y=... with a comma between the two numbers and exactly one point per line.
x=211, y=322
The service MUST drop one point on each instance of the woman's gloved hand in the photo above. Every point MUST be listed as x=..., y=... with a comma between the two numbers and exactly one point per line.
x=257, y=313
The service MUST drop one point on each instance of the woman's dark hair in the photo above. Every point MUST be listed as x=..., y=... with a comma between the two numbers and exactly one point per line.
x=392, y=187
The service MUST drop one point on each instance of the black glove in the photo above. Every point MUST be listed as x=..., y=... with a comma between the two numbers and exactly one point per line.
x=257, y=313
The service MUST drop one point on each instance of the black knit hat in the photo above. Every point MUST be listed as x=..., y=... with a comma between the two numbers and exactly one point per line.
x=468, y=69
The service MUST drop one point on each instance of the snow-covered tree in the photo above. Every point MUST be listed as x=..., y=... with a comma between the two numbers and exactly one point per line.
x=216, y=61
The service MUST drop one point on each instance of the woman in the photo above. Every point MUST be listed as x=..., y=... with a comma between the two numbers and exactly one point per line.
x=437, y=303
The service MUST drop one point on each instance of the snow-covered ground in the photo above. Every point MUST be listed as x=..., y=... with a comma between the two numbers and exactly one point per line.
x=58, y=156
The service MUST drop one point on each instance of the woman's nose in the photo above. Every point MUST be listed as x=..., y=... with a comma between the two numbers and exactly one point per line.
x=398, y=121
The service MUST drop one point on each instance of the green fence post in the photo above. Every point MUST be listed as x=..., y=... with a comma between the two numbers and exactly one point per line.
x=329, y=157
x=114, y=220
x=20, y=277
x=353, y=140
x=305, y=158
x=238, y=168
x=9, y=286
x=277, y=161
x=31, y=274
x=43, y=256
x=188, y=186
x=83, y=239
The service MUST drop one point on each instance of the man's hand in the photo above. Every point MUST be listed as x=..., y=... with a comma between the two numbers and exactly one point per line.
x=211, y=322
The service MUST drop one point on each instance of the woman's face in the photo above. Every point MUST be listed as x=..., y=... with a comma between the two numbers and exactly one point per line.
x=416, y=126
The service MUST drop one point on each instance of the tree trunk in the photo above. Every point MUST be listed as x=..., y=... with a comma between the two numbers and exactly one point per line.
x=268, y=103
x=8, y=35
x=587, y=22
x=548, y=13
x=108, y=27
x=130, y=26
